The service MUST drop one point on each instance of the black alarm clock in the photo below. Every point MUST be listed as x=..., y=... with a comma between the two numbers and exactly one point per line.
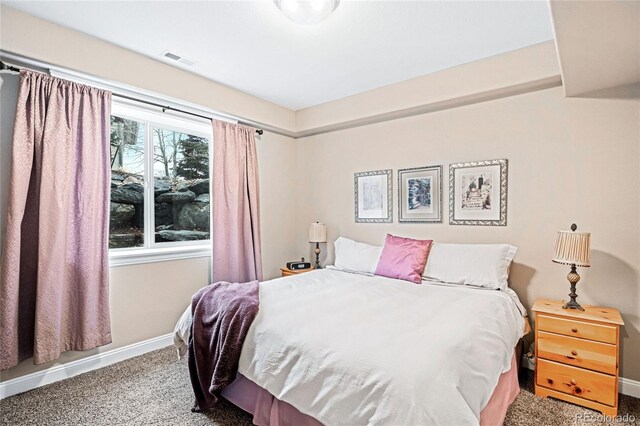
x=301, y=264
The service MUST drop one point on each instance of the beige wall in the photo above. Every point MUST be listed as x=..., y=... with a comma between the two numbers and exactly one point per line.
x=278, y=174
x=570, y=160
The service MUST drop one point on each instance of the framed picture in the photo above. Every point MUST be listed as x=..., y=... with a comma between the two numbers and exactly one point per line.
x=420, y=194
x=373, y=196
x=478, y=193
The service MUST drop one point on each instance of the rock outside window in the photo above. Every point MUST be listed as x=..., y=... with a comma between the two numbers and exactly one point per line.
x=160, y=171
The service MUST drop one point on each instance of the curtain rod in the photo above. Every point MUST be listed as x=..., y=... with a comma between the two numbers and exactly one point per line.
x=7, y=67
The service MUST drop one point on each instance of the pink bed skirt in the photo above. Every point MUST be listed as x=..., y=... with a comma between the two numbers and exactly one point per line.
x=270, y=411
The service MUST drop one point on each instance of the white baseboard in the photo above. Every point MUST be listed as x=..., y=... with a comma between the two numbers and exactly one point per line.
x=629, y=387
x=84, y=365
x=625, y=386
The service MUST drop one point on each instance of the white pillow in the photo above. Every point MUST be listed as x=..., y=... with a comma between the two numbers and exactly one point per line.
x=484, y=265
x=356, y=257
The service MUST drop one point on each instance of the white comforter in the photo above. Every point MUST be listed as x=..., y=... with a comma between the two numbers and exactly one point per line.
x=350, y=349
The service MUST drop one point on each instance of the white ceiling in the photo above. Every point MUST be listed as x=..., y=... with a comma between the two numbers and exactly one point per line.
x=253, y=47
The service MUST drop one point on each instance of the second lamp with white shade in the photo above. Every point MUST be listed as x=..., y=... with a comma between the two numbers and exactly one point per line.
x=572, y=248
x=317, y=234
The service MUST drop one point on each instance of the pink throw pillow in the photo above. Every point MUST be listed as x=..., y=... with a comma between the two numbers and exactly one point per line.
x=403, y=258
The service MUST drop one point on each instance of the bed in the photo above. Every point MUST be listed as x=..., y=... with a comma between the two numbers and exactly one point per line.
x=340, y=348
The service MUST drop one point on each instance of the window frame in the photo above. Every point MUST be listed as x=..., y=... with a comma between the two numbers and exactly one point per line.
x=152, y=251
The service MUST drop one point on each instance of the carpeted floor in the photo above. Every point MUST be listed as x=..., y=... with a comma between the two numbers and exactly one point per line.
x=154, y=389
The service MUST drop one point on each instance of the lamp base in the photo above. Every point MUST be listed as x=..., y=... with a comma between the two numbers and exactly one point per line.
x=317, y=252
x=572, y=304
x=573, y=278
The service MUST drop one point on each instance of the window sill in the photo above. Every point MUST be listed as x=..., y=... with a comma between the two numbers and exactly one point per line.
x=124, y=257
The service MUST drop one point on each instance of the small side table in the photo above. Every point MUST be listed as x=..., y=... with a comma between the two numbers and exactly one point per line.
x=577, y=354
x=286, y=272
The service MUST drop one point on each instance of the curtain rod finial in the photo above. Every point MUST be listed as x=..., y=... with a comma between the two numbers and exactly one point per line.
x=4, y=66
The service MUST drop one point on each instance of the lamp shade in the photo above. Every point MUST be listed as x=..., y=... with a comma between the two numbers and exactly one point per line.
x=317, y=233
x=572, y=248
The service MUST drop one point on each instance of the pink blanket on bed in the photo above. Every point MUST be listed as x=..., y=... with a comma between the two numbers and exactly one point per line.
x=222, y=315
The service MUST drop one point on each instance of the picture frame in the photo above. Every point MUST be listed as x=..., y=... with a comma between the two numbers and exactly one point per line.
x=478, y=193
x=372, y=196
x=420, y=195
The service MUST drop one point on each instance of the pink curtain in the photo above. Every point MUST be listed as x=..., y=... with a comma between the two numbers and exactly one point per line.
x=54, y=291
x=236, y=213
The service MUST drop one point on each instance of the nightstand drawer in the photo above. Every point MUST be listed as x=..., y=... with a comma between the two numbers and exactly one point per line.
x=599, y=332
x=581, y=353
x=576, y=381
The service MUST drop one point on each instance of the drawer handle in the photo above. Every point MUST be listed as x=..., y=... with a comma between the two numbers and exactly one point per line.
x=573, y=381
x=574, y=352
x=575, y=330
x=577, y=390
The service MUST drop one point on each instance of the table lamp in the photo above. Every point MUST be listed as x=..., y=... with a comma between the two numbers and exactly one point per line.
x=572, y=248
x=317, y=234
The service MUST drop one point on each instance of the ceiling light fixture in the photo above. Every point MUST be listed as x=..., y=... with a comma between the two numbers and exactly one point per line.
x=307, y=12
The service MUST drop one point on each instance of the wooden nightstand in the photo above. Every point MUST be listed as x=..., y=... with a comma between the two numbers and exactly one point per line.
x=577, y=354
x=286, y=272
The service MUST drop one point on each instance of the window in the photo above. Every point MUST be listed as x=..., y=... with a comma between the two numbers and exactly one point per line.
x=160, y=170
